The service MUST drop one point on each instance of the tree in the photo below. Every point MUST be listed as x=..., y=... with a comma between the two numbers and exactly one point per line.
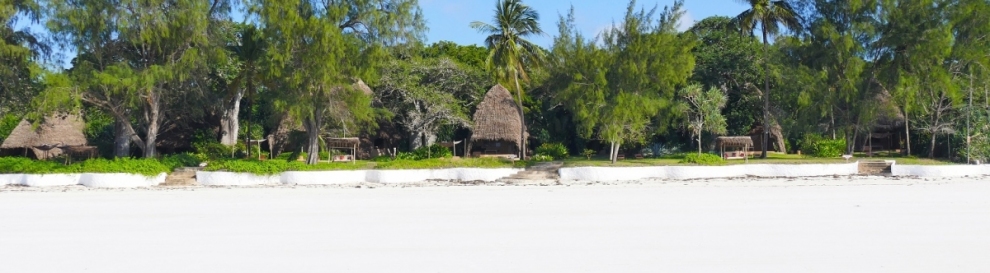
x=510, y=53
x=427, y=94
x=727, y=59
x=625, y=89
x=319, y=50
x=19, y=51
x=769, y=15
x=704, y=111
x=134, y=57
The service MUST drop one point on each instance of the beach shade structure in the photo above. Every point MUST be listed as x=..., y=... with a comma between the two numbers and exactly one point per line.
x=734, y=147
x=48, y=139
x=775, y=143
x=344, y=143
x=496, y=125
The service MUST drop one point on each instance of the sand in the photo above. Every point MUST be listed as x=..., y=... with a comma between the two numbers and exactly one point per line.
x=829, y=224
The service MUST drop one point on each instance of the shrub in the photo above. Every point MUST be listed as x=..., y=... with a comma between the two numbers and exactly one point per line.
x=212, y=150
x=433, y=151
x=588, y=153
x=817, y=146
x=183, y=160
x=703, y=159
x=147, y=167
x=555, y=151
x=405, y=156
x=542, y=158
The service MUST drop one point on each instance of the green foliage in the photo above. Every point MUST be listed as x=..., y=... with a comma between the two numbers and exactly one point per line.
x=7, y=124
x=624, y=89
x=438, y=163
x=704, y=110
x=147, y=167
x=212, y=149
x=702, y=159
x=432, y=151
x=183, y=160
x=588, y=153
x=817, y=146
x=555, y=151
x=542, y=158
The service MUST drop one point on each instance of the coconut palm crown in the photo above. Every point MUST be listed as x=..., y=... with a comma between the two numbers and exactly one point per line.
x=510, y=52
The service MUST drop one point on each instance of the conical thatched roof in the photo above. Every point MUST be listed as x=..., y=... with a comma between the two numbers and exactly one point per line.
x=497, y=117
x=734, y=141
x=360, y=85
x=56, y=131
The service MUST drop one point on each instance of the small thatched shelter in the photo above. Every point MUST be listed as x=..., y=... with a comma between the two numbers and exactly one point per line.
x=776, y=141
x=733, y=147
x=47, y=139
x=497, y=124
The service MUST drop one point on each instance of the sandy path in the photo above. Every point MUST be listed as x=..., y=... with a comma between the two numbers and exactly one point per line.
x=712, y=226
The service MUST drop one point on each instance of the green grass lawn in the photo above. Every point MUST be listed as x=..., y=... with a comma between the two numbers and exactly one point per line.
x=772, y=158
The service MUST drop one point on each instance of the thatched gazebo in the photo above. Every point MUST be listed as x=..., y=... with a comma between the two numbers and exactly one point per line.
x=734, y=147
x=497, y=125
x=48, y=140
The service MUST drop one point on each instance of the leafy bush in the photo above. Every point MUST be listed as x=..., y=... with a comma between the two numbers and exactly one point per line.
x=817, y=146
x=148, y=167
x=433, y=151
x=542, y=158
x=266, y=167
x=703, y=159
x=438, y=163
x=27, y=165
x=183, y=160
x=212, y=150
x=588, y=153
x=406, y=156
x=555, y=151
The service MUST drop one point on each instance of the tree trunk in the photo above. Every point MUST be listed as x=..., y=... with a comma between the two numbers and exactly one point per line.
x=522, y=118
x=699, y=143
x=153, y=117
x=931, y=148
x=229, y=121
x=907, y=132
x=313, y=125
x=615, y=151
x=611, y=152
x=121, y=140
x=766, y=95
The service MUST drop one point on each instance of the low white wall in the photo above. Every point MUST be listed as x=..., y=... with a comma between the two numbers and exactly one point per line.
x=120, y=180
x=478, y=174
x=323, y=177
x=11, y=179
x=234, y=179
x=612, y=173
x=49, y=180
x=393, y=176
x=701, y=172
x=402, y=176
x=800, y=170
x=939, y=171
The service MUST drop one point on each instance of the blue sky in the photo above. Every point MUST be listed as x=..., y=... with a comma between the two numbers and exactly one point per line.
x=449, y=19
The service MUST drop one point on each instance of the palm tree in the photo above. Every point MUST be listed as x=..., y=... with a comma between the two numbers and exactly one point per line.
x=769, y=15
x=249, y=49
x=510, y=52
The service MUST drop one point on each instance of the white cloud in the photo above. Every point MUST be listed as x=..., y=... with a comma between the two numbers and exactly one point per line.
x=686, y=21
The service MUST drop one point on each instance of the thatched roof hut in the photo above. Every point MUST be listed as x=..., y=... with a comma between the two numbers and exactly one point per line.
x=734, y=142
x=47, y=139
x=497, y=120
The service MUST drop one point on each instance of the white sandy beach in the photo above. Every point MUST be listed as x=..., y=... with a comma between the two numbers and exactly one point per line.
x=829, y=224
